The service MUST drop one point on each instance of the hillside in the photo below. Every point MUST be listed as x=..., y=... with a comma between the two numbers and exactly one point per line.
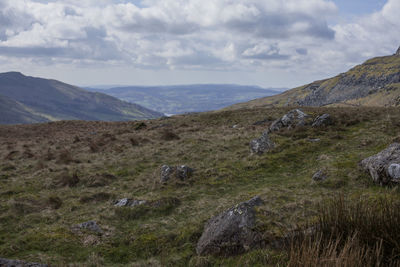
x=188, y=98
x=55, y=176
x=54, y=100
x=12, y=112
x=376, y=82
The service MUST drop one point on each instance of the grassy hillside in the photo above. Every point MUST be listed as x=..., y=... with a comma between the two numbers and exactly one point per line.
x=376, y=82
x=12, y=111
x=55, y=100
x=188, y=98
x=56, y=175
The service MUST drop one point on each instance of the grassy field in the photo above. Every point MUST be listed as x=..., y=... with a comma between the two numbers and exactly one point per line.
x=56, y=175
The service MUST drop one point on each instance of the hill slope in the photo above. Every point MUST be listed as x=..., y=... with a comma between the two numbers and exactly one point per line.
x=12, y=111
x=373, y=83
x=188, y=98
x=57, y=175
x=55, y=100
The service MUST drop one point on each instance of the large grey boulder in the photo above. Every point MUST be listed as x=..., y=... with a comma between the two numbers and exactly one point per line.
x=231, y=232
x=398, y=52
x=290, y=120
x=18, y=263
x=384, y=167
x=323, y=120
x=261, y=144
x=181, y=172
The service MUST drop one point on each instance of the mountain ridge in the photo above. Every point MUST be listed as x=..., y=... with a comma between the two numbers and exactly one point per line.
x=55, y=100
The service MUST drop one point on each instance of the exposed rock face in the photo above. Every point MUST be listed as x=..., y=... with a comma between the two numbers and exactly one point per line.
x=181, y=172
x=319, y=176
x=127, y=202
x=292, y=119
x=90, y=225
x=262, y=144
x=230, y=232
x=384, y=167
x=398, y=52
x=324, y=119
x=18, y=263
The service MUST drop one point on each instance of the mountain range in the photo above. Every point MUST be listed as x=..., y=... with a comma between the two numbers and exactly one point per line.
x=374, y=83
x=26, y=99
x=180, y=99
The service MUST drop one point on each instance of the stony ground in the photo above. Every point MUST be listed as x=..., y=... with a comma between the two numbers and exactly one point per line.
x=54, y=176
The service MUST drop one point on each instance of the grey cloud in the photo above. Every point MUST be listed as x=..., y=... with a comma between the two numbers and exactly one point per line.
x=302, y=51
x=264, y=56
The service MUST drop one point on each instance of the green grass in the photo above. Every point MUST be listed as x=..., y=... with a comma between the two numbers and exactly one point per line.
x=225, y=174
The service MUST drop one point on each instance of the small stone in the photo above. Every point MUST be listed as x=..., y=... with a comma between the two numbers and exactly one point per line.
x=166, y=172
x=126, y=202
x=262, y=144
x=18, y=263
x=316, y=140
x=324, y=119
x=319, y=176
x=90, y=225
x=183, y=172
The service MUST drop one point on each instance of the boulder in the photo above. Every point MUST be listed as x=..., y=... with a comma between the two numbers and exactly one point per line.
x=262, y=144
x=231, y=232
x=384, y=167
x=290, y=120
x=398, y=52
x=319, y=176
x=323, y=120
x=181, y=172
x=127, y=202
x=18, y=263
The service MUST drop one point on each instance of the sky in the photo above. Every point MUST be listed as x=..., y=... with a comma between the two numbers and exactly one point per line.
x=270, y=43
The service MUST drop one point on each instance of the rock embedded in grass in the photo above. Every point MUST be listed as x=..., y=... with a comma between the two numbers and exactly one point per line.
x=320, y=176
x=384, y=167
x=261, y=144
x=18, y=263
x=292, y=119
x=323, y=120
x=89, y=225
x=231, y=232
x=181, y=172
x=126, y=202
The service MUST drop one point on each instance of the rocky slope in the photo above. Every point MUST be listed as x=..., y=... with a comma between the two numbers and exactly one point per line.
x=376, y=82
x=38, y=100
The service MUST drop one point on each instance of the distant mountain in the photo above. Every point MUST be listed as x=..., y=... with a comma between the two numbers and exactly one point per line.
x=376, y=82
x=28, y=100
x=187, y=98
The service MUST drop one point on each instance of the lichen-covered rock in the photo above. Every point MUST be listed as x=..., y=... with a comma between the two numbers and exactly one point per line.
x=384, y=167
x=319, y=176
x=127, y=202
x=231, y=232
x=262, y=144
x=18, y=263
x=290, y=120
x=323, y=120
x=181, y=172
x=90, y=225
x=166, y=172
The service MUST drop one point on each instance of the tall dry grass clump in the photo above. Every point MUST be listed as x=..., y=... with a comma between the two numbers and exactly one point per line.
x=351, y=233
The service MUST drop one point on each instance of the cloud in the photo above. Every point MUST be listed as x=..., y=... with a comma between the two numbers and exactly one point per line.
x=231, y=35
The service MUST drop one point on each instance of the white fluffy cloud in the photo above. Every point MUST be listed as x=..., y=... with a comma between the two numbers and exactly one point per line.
x=229, y=35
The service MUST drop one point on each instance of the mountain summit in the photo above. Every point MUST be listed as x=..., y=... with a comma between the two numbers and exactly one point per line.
x=28, y=100
x=376, y=82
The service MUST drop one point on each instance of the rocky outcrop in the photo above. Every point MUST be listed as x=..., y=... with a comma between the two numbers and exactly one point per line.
x=262, y=144
x=231, y=232
x=181, y=172
x=398, y=52
x=127, y=202
x=384, y=167
x=18, y=263
x=290, y=120
x=323, y=120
